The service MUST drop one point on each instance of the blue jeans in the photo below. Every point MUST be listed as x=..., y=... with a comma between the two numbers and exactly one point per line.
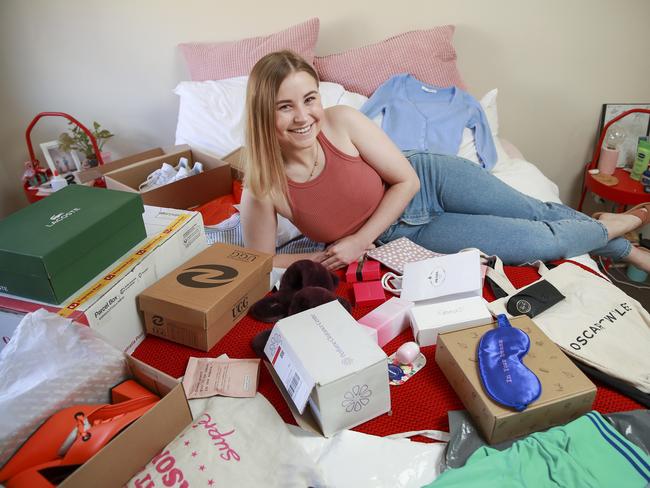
x=461, y=205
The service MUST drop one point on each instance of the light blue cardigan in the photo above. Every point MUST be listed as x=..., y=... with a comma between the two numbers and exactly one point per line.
x=429, y=118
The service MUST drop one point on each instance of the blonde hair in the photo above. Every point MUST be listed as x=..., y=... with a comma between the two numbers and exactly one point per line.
x=262, y=155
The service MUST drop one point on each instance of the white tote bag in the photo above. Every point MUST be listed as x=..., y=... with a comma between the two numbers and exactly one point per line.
x=234, y=442
x=596, y=323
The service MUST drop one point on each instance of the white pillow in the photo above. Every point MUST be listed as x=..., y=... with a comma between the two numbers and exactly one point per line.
x=467, y=147
x=331, y=93
x=286, y=230
x=355, y=100
x=211, y=113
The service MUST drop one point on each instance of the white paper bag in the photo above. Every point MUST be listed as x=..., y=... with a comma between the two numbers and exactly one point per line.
x=443, y=278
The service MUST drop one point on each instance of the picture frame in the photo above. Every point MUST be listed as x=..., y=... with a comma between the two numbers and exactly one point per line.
x=635, y=126
x=62, y=162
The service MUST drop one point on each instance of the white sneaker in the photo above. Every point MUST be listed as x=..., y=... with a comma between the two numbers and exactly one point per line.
x=160, y=177
x=196, y=169
x=182, y=163
x=182, y=173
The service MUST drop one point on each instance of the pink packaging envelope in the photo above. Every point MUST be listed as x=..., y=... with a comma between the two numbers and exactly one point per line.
x=363, y=271
x=368, y=293
x=389, y=319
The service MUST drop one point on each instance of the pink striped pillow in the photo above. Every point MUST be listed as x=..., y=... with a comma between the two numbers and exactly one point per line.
x=221, y=60
x=429, y=55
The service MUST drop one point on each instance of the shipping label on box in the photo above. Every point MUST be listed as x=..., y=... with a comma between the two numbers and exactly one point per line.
x=566, y=391
x=324, y=359
x=199, y=302
x=108, y=302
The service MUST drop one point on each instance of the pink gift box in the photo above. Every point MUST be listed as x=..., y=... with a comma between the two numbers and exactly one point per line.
x=363, y=271
x=389, y=319
x=368, y=293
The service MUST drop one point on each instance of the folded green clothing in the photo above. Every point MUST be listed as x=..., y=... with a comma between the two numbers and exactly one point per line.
x=587, y=452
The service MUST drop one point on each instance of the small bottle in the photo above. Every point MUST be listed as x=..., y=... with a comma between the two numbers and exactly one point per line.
x=57, y=182
x=641, y=161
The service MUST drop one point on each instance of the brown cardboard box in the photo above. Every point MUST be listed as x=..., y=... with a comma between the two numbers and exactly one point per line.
x=200, y=301
x=126, y=174
x=90, y=174
x=132, y=449
x=236, y=162
x=566, y=391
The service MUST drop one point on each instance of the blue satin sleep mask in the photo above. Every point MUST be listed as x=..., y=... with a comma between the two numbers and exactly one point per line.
x=506, y=379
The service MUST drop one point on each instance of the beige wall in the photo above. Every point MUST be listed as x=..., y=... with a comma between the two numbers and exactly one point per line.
x=554, y=62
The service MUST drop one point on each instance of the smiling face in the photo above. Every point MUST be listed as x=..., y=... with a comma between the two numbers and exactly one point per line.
x=298, y=111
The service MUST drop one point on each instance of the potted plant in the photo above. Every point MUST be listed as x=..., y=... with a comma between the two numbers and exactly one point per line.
x=77, y=140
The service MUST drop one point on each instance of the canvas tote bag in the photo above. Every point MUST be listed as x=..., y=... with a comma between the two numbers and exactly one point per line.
x=234, y=442
x=596, y=323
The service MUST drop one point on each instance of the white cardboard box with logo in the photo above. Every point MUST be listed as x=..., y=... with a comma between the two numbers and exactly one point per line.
x=447, y=295
x=108, y=302
x=324, y=359
x=430, y=319
x=443, y=278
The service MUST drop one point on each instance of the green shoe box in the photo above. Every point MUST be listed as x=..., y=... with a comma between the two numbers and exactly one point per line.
x=53, y=247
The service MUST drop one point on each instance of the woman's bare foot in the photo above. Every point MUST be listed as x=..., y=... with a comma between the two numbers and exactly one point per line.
x=618, y=225
x=640, y=258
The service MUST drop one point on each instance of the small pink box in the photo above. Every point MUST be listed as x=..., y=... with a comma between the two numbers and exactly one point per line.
x=368, y=293
x=363, y=271
x=389, y=319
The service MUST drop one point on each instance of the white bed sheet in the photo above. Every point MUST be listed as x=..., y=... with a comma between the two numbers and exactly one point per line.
x=528, y=179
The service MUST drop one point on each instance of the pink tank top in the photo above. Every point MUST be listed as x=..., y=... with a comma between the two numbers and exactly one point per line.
x=339, y=200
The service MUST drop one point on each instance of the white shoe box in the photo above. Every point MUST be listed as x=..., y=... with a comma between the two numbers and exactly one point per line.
x=430, y=319
x=325, y=360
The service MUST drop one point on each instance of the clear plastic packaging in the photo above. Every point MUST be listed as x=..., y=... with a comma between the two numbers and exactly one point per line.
x=465, y=439
x=51, y=363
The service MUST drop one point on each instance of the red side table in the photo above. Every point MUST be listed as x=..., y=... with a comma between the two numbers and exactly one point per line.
x=627, y=191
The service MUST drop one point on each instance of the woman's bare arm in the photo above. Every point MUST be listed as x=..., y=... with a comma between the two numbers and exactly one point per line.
x=259, y=227
x=381, y=153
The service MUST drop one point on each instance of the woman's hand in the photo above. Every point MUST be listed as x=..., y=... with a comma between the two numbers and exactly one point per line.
x=344, y=251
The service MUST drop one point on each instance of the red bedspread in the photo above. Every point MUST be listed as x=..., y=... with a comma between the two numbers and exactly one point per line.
x=421, y=403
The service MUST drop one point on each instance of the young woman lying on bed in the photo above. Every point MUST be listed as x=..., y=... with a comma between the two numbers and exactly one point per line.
x=341, y=180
